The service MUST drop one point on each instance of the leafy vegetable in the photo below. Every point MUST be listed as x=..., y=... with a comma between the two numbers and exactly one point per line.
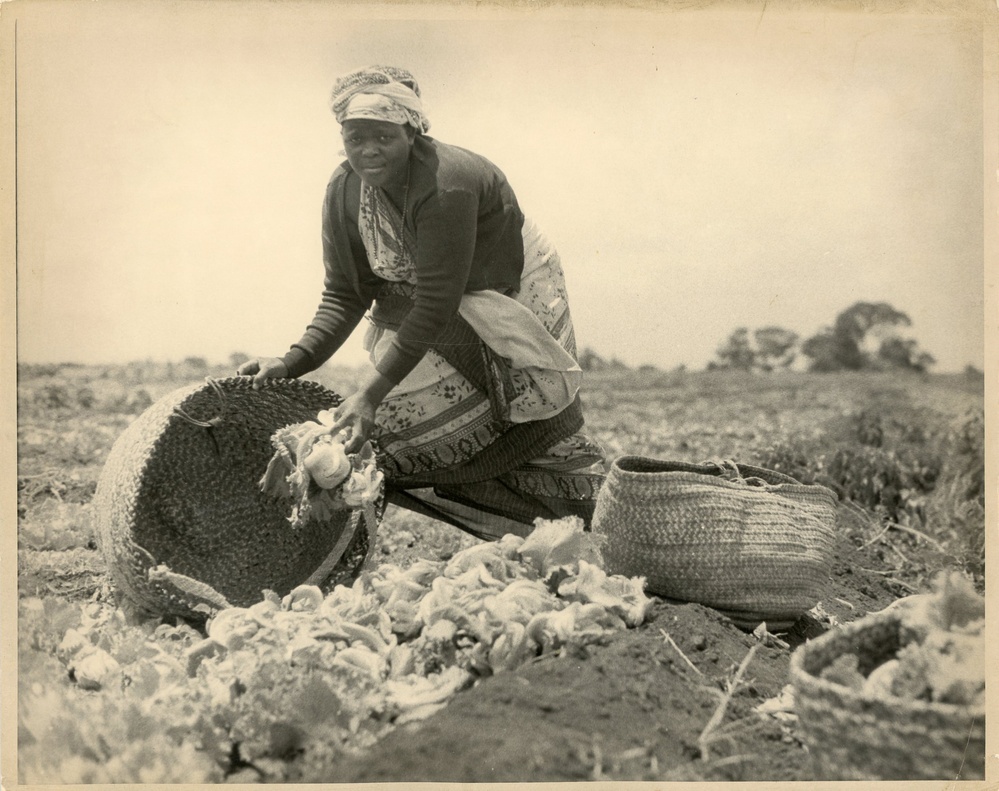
x=942, y=653
x=305, y=677
x=311, y=469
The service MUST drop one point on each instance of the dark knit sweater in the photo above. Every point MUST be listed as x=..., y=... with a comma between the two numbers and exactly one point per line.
x=467, y=228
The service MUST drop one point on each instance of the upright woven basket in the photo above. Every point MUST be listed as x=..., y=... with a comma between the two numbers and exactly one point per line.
x=180, y=490
x=750, y=542
x=851, y=736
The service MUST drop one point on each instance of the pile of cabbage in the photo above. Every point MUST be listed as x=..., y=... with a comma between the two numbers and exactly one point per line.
x=941, y=658
x=312, y=674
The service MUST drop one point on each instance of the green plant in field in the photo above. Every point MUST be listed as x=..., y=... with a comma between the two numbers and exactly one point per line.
x=53, y=396
x=909, y=466
x=55, y=525
x=967, y=441
x=955, y=508
x=889, y=481
x=128, y=738
x=891, y=425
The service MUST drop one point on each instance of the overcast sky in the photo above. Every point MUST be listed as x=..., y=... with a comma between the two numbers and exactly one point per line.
x=698, y=170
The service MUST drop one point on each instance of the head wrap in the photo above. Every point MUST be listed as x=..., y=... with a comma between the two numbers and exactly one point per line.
x=380, y=93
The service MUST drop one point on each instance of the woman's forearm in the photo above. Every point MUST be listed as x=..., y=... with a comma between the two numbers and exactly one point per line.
x=374, y=387
x=336, y=317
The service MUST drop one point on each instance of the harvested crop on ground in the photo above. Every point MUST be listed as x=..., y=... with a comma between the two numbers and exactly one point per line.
x=941, y=658
x=455, y=660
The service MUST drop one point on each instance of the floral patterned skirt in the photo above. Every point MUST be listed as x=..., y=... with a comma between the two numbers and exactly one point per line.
x=437, y=420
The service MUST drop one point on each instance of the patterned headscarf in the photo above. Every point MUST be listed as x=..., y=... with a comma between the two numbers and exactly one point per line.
x=381, y=93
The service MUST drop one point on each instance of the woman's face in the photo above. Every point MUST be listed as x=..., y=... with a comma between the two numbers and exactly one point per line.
x=378, y=151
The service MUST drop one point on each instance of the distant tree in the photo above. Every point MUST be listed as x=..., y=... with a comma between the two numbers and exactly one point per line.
x=903, y=353
x=737, y=352
x=865, y=336
x=196, y=363
x=766, y=349
x=855, y=324
x=775, y=347
x=823, y=350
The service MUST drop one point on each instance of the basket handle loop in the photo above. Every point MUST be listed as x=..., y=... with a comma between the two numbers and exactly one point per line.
x=213, y=422
x=728, y=470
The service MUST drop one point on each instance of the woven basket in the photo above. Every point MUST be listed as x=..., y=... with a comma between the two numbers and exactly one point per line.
x=854, y=737
x=180, y=517
x=750, y=542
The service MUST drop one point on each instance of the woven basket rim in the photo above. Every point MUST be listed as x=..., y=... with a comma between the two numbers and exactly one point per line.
x=182, y=396
x=709, y=473
x=870, y=621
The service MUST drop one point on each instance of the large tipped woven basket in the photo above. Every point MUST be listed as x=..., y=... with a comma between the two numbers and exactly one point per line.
x=851, y=736
x=180, y=517
x=750, y=542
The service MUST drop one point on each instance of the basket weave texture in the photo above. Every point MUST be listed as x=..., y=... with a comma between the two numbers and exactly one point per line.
x=185, y=496
x=750, y=542
x=851, y=736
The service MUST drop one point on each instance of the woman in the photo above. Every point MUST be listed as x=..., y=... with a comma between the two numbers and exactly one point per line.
x=473, y=393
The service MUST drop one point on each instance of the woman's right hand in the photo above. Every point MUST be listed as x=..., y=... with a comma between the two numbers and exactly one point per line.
x=261, y=368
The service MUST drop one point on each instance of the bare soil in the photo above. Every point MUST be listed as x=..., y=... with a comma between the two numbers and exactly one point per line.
x=632, y=708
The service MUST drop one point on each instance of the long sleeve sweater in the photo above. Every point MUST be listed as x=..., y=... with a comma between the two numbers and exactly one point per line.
x=468, y=230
